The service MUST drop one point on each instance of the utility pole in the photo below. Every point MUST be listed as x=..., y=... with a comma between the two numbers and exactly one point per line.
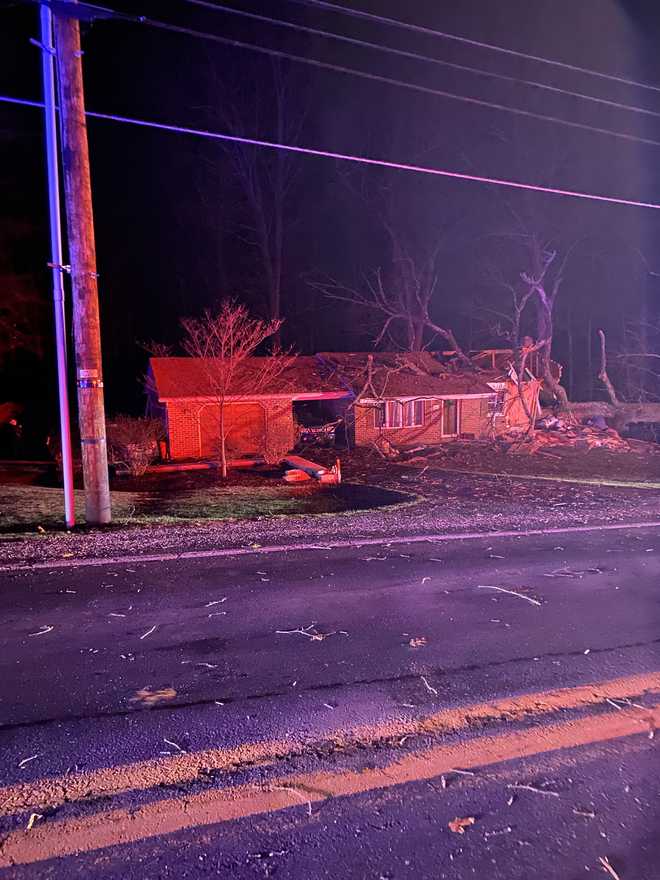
x=57, y=267
x=82, y=256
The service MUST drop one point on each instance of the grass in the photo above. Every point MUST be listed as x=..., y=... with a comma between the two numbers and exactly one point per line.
x=25, y=509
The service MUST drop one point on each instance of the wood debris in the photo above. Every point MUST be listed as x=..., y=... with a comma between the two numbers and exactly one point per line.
x=34, y=817
x=429, y=687
x=312, y=634
x=149, y=632
x=510, y=593
x=533, y=788
x=607, y=867
x=459, y=824
x=42, y=631
x=25, y=761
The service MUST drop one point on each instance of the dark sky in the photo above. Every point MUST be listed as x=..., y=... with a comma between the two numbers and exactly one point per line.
x=170, y=217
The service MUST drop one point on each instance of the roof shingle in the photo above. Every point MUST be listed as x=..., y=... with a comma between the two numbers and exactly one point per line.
x=188, y=377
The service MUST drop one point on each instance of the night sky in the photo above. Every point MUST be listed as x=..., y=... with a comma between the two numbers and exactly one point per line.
x=171, y=219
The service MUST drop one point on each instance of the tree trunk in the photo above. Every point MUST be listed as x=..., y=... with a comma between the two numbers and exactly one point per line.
x=223, y=444
x=619, y=416
x=417, y=342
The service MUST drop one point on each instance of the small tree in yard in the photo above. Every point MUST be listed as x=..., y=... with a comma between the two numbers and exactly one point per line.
x=224, y=340
x=133, y=442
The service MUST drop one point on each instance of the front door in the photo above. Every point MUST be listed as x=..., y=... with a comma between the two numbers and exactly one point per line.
x=449, y=418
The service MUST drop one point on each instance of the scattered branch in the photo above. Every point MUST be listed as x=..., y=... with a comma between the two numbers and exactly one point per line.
x=510, y=593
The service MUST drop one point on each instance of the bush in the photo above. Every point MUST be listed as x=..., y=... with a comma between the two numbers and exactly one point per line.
x=133, y=442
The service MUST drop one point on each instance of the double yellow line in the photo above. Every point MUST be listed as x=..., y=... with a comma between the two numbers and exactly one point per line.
x=121, y=826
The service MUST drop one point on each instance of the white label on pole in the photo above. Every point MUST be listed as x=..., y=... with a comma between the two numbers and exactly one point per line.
x=88, y=374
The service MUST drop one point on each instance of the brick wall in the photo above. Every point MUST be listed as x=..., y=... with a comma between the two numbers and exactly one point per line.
x=280, y=432
x=183, y=428
x=474, y=416
x=473, y=419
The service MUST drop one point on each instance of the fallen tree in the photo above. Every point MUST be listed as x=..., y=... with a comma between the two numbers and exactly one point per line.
x=617, y=413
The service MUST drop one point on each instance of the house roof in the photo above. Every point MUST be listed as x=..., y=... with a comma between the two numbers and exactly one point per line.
x=189, y=378
x=396, y=374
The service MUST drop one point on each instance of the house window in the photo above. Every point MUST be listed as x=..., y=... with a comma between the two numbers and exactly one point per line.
x=399, y=414
x=450, y=417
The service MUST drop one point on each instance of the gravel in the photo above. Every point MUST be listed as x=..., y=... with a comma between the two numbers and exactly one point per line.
x=439, y=503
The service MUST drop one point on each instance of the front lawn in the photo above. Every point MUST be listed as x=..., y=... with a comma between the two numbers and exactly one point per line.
x=196, y=498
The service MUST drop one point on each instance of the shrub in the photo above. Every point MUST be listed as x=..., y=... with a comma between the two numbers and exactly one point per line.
x=133, y=442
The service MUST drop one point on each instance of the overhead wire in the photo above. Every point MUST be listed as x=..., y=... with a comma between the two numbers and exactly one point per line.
x=353, y=158
x=417, y=56
x=106, y=12
x=467, y=41
x=372, y=77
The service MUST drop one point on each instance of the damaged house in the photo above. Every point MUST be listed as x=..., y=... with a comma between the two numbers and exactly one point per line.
x=410, y=398
x=497, y=368
x=403, y=398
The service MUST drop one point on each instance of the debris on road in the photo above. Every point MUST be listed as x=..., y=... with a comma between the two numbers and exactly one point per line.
x=534, y=788
x=419, y=642
x=297, y=793
x=607, y=867
x=149, y=631
x=459, y=824
x=151, y=698
x=310, y=632
x=25, y=761
x=34, y=817
x=506, y=830
x=429, y=688
x=510, y=592
x=588, y=814
x=42, y=631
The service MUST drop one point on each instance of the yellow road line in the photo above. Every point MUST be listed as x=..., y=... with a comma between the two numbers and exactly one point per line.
x=180, y=769
x=123, y=826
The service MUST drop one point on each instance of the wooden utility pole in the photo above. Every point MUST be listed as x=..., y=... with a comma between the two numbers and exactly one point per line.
x=82, y=257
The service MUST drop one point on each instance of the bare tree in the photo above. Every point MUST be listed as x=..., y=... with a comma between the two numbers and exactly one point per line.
x=225, y=341
x=415, y=235
x=405, y=305
x=266, y=177
x=618, y=412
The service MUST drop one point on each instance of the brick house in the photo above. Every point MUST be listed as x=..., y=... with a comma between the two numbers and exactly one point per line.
x=411, y=398
x=259, y=420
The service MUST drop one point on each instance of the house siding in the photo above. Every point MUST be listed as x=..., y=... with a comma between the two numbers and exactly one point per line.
x=474, y=416
x=473, y=419
x=183, y=428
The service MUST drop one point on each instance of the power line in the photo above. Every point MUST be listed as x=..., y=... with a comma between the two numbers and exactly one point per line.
x=421, y=29
x=105, y=12
x=357, y=159
x=374, y=77
x=417, y=56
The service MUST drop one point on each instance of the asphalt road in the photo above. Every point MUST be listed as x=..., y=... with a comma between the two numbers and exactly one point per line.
x=302, y=714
